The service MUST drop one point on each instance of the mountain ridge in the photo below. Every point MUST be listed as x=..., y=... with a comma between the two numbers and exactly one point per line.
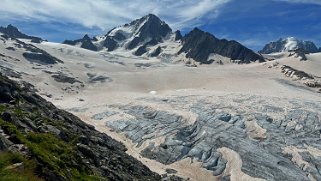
x=289, y=44
x=199, y=45
x=13, y=32
x=149, y=31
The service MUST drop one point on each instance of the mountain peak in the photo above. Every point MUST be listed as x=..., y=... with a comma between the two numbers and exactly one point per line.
x=289, y=44
x=178, y=35
x=138, y=32
x=84, y=42
x=199, y=45
x=86, y=37
x=151, y=16
x=13, y=32
x=10, y=26
x=197, y=30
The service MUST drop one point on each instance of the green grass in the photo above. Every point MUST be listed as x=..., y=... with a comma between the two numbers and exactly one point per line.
x=25, y=173
x=54, y=153
x=57, y=155
x=3, y=108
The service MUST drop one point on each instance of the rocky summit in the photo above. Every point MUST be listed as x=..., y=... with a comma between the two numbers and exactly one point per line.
x=85, y=43
x=13, y=32
x=198, y=45
x=289, y=44
x=149, y=35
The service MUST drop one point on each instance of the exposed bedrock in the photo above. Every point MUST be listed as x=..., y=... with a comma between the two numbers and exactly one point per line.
x=261, y=137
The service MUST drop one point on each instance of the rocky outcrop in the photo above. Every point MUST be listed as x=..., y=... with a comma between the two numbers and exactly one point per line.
x=35, y=54
x=63, y=78
x=178, y=35
x=299, y=53
x=293, y=73
x=143, y=49
x=301, y=76
x=30, y=52
x=289, y=44
x=198, y=45
x=13, y=32
x=60, y=145
x=110, y=44
x=85, y=43
x=40, y=58
x=156, y=52
x=140, y=51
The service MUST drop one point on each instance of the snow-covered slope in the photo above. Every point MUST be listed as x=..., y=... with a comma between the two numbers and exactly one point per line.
x=289, y=44
x=149, y=37
x=237, y=122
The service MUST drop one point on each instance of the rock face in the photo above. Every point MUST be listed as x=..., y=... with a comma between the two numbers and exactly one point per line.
x=29, y=51
x=302, y=77
x=13, y=32
x=37, y=55
x=146, y=31
x=199, y=45
x=156, y=52
x=40, y=58
x=139, y=32
x=289, y=44
x=61, y=146
x=85, y=43
x=142, y=35
x=178, y=35
x=299, y=53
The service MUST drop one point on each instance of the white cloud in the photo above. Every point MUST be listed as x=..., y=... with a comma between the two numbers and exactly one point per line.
x=109, y=13
x=302, y=1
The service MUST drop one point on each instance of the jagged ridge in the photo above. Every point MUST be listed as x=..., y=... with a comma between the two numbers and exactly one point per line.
x=199, y=45
x=13, y=32
x=149, y=31
x=289, y=44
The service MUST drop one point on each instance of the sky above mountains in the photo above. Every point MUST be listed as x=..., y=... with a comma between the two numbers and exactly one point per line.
x=251, y=22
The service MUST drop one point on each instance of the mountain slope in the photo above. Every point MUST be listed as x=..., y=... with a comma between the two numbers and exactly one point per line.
x=59, y=145
x=199, y=45
x=205, y=123
x=13, y=32
x=289, y=44
x=27, y=50
x=143, y=30
x=150, y=36
x=85, y=43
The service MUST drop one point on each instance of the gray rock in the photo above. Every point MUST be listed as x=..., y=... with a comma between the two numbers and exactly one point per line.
x=279, y=46
x=86, y=43
x=156, y=52
x=199, y=45
x=13, y=32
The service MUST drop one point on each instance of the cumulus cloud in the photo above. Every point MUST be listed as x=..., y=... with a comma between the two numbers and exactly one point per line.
x=106, y=14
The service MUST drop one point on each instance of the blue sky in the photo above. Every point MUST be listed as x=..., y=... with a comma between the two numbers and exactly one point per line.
x=251, y=22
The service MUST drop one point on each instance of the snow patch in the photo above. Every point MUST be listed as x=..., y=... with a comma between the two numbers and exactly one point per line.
x=291, y=44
